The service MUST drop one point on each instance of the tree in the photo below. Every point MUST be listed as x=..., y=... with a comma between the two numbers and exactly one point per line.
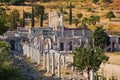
x=16, y=2
x=23, y=21
x=84, y=20
x=88, y=59
x=100, y=37
x=95, y=1
x=3, y=28
x=38, y=10
x=32, y=18
x=14, y=19
x=110, y=15
x=70, y=14
x=8, y=71
x=94, y=19
x=75, y=21
x=104, y=1
x=79, y=15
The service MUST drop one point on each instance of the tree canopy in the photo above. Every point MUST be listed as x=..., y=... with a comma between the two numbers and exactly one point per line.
x=8, y=71
x=110, y=15
x=88, y=59
x=3, y=27
x=100, y=38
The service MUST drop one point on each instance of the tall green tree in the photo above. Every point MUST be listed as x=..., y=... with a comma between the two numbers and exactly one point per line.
x=110, y=15
x=88, y=59
x=70, y=14
x=14, y=19
x=100, y=38
x=3, y=27
x=32, y=18
x=23, y=22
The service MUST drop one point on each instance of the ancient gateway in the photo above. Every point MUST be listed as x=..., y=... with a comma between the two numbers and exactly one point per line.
x=52, y=41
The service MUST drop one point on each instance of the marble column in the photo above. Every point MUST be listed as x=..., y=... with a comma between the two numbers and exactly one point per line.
x=53, y=64
x=91, y=75
x=48, y=59
x=48, y=62
x=59, y=66
x=44, y=61
x=37, y=55
x=64, y=60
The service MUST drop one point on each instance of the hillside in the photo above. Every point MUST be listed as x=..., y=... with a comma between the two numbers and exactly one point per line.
x=99, y=9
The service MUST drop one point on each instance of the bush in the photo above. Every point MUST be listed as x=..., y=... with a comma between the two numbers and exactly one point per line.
x=17, y=2
x=89, y=9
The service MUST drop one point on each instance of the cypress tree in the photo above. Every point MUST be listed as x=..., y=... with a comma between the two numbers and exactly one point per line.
x=41, y=20
x=32, y=20
x=70, y=14
x=23, y=19
x=41, y=16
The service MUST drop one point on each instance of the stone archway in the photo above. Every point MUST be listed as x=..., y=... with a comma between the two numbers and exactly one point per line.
x=12, y=43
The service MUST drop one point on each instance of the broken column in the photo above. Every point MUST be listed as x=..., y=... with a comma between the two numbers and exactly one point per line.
x=59, y=66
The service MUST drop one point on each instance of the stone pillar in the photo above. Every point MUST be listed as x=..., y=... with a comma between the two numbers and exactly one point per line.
x=38, y=56
x=91, y=75
x=48, y=59
x=48, y=62
x=44, y=61
x=53, y=64
x=27, y=50
x=59, y=66
x=64, y=60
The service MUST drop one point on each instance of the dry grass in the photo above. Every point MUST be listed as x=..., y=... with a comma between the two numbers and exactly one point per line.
x=79, y=8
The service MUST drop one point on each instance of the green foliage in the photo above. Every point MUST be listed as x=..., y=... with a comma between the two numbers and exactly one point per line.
x=89, y=9
x=79, y=15
x=16, y=2
x=32, y=17
x=70, y=14
x=100, y=37
x=38, y=10
x=88, y=58
x=3, y=27
x=14, y=19
x=112, y=78
x=75, y=21
x=41, y=20
x=84, y=20
x=110, y=15
x=95, y=1
x=23, y=20
x=8, y=71
x=27, y=14
x=104, y=1
x=93, y=19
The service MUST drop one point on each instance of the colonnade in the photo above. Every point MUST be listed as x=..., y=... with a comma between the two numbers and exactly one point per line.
x=50, y=59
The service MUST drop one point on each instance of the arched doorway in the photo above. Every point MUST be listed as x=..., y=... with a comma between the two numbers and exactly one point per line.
x=70, y=45
x=12, y=43
x=61, y=46
x=113, y=46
